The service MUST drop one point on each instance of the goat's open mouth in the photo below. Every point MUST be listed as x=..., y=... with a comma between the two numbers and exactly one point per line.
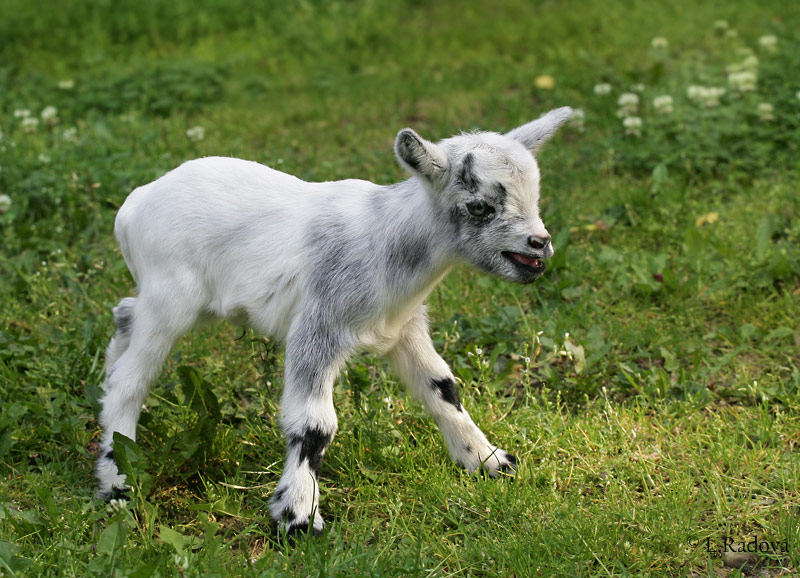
x=527, y=262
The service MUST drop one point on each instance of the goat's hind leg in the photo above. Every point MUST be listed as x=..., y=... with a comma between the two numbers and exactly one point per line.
x=135, y=355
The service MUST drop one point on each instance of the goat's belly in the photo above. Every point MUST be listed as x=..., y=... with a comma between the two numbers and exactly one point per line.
x=268, y=305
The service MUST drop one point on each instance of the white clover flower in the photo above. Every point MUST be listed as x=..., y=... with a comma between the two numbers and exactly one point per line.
x=30, y=123
x=768, y=42
x=70, y=134
x=765, y=112
x=694, y=92
x=707, y=96
x=750, y=63
x=663, y=104
x=479, y=351
x=196, y=133
x=633, y=127
x=114, y=506
x=628, y=99
x=5, y=203
x=50, y=115
x=628, y=104
x=744, y=81
x=720, y=26
x=181, y=561
x=44, y=158
x=576, y=119
x=22, y=113
x=67, y=84
x=602, y=89
x=659, y=43
x=712, y=96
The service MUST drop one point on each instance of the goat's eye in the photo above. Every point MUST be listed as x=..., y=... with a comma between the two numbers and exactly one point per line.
x=480, y=209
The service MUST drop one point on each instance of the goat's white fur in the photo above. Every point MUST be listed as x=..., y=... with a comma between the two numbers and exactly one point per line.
x=329, y=268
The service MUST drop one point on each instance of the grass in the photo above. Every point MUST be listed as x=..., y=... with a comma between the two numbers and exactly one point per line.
x=649, y=383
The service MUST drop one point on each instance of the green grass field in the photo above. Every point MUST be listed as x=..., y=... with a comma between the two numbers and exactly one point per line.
x=649, y=384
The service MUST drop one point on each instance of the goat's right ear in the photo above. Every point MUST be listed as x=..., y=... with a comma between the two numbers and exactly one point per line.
x=420, y=157
x=534, y=134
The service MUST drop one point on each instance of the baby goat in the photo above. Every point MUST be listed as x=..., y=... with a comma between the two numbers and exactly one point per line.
x=329, y=268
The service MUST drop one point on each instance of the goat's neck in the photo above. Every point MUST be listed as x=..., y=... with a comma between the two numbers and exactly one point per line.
x=413, y=225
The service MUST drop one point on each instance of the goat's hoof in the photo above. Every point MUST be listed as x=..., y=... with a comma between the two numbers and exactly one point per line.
x=299, y=531
x=291, y=533
x=115, y=493
x=510, y=465
x=121, y=493
x=505, y=464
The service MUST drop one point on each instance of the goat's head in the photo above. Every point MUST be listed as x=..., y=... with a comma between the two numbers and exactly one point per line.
x=486, y=186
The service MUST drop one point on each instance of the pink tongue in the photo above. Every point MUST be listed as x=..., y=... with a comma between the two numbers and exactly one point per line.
x=529, y=261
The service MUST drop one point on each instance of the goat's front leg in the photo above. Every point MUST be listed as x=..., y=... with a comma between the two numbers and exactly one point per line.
x=429, y=378
x=314, y=357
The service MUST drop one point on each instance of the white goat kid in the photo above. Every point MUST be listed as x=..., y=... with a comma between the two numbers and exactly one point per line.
x=329, y=268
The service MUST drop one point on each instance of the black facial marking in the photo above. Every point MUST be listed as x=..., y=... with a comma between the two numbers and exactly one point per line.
x=447, y=387
x=109, y=455
x=467, y=177
x=312, y=446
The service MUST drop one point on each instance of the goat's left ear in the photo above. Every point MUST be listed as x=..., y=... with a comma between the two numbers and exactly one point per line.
x=420, y=157
x=534, y=134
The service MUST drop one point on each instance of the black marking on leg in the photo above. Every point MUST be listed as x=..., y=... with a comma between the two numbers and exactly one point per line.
x=120, y=494
x=109, y=455
x=449, y=391
x=297, y=531
x=288, y=515
x=312, y=444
